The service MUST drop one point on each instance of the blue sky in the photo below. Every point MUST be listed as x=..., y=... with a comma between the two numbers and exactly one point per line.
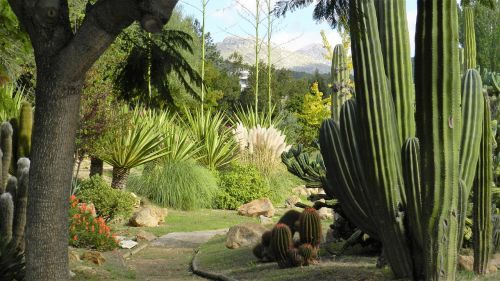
x=296, y=30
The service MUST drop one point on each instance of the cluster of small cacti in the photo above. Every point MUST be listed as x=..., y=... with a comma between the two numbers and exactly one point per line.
x=310, y=169
x=278, y=244
x=13, y=205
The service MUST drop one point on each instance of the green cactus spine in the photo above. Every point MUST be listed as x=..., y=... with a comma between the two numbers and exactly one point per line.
x=25, y=127
x=481, y=227
x=6, y=148
x=470, y=38
x=6, y=218
x=340, y=79
x=310, y=227
x=281, y=242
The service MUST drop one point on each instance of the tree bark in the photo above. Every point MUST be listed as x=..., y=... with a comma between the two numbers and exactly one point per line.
x=96, y=166
x=120, y=176
x=56, y=121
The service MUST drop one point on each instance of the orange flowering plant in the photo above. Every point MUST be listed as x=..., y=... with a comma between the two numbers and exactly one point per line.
x=88, y=231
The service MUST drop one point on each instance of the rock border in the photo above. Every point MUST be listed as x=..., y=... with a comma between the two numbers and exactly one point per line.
x=206, y=274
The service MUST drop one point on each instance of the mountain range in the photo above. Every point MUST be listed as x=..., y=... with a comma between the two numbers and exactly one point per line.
x=306, y=59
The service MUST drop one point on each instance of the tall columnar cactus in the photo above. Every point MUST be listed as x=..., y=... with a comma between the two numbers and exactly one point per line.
x=414, y=205
x=310, y=227
x=25, y=127
x=470, y=38
x=481, y=227
x=281, y=242
x=6, y=148
x=6, y=218
x=340, y=79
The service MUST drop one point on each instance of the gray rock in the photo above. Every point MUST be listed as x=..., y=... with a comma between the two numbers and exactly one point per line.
x=257, y=207
x=246, y=234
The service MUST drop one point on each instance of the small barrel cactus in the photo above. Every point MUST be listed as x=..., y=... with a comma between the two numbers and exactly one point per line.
x=294, y=258
x=310, y=227
x=281, y=242
x=308, y=253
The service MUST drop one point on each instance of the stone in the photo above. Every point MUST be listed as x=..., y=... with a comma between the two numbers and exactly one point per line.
x=257, y=207
x=73, y=256
x=148, y=216
x=246, y=234
x=291, y=201
x=94, y=257
x=325, y=213
x=465, y=263
x=265, y=220
x=127, y=244
x=300, y=190
x=144, y=236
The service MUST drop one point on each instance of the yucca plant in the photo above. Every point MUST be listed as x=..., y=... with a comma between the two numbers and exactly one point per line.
x=250, y=119
x=216, y=141
x=132, y=144
x=11, y=99
x=180, y=144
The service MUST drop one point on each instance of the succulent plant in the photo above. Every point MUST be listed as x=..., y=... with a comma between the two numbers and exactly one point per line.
x=310, y=227
x=281, y=242
x=309, y=253
x=291, y=219
x=310, y=169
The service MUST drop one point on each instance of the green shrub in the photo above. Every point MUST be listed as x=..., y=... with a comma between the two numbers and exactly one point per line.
x=281, y=184
x=181, y=185
x=87, y=231
x=238, y=185
x=109, y=203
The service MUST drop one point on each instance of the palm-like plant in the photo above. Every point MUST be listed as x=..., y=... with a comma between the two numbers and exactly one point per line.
x=150, y=60
x=133, y=143
x=217, y=144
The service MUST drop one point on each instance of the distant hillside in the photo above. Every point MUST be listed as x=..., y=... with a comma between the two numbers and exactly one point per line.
x=306, y=59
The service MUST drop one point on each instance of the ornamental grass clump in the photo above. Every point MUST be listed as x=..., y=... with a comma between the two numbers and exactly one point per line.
x=261, y=146
x=88, y=231
x=183, y=185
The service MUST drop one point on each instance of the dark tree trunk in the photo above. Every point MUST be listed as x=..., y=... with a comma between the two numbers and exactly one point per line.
x=63, y=57
x=56, y=121
x=96, y=166
x=120, y=176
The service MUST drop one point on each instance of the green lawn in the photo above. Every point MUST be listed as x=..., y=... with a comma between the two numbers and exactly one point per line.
x=356, y=265
x=183, y=221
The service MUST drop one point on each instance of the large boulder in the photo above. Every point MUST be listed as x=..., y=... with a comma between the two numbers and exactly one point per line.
x=257, y=208
x=246, y=234
x=148, y=216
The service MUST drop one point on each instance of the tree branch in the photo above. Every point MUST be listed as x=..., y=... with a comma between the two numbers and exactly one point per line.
x=104, y=21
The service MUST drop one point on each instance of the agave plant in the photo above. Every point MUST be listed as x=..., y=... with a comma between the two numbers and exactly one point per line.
x=133, y=143
x=180, y=144
x=216, y=141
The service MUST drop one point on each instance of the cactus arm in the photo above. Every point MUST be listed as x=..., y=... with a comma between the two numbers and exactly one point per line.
x=25, y=127
x=21, y=203
x=6, y=147
x=472, y=116
x=437, y=82
x=470, y=39
x=481, y=226
x=378, y=125
x=6, y=218
x=339, y=175
x=394, y=39
x=340, y=78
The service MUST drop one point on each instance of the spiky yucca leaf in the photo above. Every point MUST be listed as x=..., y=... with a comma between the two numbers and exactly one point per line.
x=217, y=145
x=250, y=119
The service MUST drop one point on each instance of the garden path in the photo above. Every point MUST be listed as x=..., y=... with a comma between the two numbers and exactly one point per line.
x=169, y=256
